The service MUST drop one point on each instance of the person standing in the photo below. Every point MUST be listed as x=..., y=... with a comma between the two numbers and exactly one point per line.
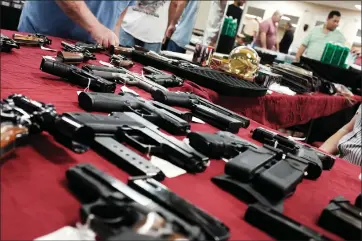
x=234, y=10
x=313, y=45
x=182, y=35
x=267, y=37
x=145, y=24
x=287, y=39
x=87, y=21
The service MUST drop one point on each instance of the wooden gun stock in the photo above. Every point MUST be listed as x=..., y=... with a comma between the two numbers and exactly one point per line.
x=27, y=39
x=9, y=134
x=70, y=57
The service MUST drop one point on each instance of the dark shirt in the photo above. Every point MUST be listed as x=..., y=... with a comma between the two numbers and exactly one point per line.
x=286, y=41
x=234, y=12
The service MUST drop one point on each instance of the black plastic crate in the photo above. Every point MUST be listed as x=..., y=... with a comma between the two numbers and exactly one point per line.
x=220, y=82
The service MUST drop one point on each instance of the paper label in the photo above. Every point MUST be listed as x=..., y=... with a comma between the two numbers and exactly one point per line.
x=197, y=120
x=126, y=89
x=360, y=176
x=67, y=233
x=49, y=57
x=166, y=167
x=78, y=92
x=105, y=63
x=48, y=49
x=225, y=160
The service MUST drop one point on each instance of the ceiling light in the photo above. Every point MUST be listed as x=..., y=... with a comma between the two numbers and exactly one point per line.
x=285, y=18
x=358, y=7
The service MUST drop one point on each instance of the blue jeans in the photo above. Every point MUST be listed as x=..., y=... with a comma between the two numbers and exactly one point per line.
x=172, y=46
x=127, y=39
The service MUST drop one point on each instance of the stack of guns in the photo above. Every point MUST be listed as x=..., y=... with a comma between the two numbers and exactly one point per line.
x=262, y=176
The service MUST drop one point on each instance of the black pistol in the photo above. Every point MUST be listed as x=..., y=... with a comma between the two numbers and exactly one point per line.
x=87, y=55
x=171, y=119
x=111, y=205
x=278, y=225
x=317, y=160
x=77, y=76
x=216, y=115
x=213, y=228
x=161, y=78
x=7, y=44
x=342, y=218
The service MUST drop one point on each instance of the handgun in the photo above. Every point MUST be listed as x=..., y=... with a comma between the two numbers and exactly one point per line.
x=211, y=113
x=32, y=117
x=125, y=51
x=120, y=61
x=213, y=228
x=10, y=133
x=342, y=218
x=161, y=78
x=315, y=157
x=253, y=173
x=278, y=225
x=77, y=76
x=87, y=55
x=132, y=129
x=32, y=39
x=170, y=120
x=122, y=75
x=6, y=44
x=93, y=48
x=112, y=205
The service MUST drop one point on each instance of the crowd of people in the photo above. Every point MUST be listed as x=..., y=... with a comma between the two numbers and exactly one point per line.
x=154, y=24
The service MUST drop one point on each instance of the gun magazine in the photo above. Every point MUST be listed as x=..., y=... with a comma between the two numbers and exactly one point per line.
x=126, y=159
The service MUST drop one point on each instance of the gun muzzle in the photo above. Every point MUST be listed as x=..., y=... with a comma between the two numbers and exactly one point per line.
x=55, y=68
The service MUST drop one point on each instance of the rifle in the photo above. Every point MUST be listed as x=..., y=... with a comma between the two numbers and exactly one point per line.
x=342, y=218
x=278, y=225
x=313, y=156
x=77, y=49
x=120, y=61
x=213, y=228
x=30, y=117
x=264, y=174
x=112, y=205
x=172, y=120
x=122, y=75
x=358, y=202
x=77, y=76
x=161, y=78
x=216, y=115
x=130, y=128
x=6, y=44
x=32, y=39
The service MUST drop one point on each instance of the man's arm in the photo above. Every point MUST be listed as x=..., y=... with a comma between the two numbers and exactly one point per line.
x=300, y=52
x=117, y=28
x=174, y=13
x=80, y=13
x=264, y=27
x=330, y=145
x=263, y=40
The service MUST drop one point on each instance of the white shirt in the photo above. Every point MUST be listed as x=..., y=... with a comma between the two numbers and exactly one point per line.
x=147, y=21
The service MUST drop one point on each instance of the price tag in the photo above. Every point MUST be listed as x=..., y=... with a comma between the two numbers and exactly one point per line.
x=105, y=63
x=48, y=49
x=166, y=167
x=68, y=233
x=49, y=57
x=126, y=89
x=225, y=160
x=78, y=92
x=360, y=176
x=197, y=120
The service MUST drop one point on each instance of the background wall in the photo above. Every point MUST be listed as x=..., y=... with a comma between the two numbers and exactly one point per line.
x=308, y=13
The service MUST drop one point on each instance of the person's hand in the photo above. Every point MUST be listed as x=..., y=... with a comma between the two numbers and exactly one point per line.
x=104, y=36
x=170, y=30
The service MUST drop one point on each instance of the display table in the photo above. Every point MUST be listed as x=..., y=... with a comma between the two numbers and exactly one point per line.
x=35, y=199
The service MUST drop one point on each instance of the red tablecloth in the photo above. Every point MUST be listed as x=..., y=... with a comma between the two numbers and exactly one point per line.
x=35, y=199
x=281, y=111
